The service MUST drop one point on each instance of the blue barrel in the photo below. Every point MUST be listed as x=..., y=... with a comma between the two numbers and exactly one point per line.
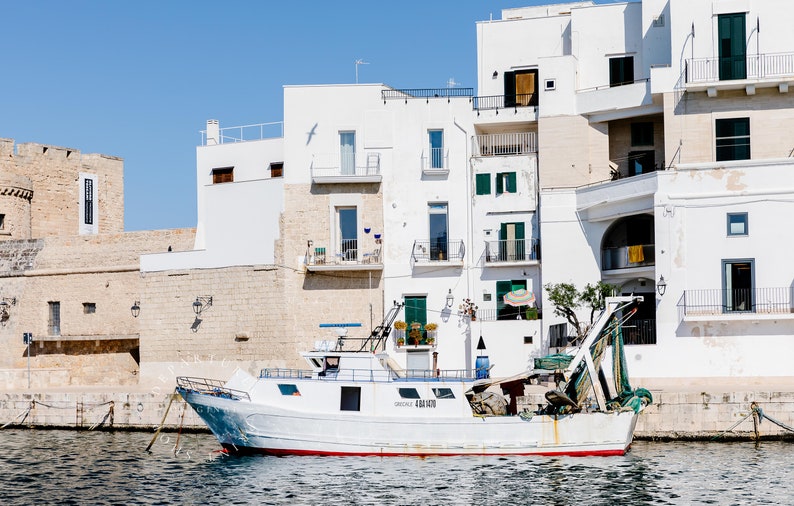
x=481, y=365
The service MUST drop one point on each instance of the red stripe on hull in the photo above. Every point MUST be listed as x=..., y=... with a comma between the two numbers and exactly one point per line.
x=284, y=453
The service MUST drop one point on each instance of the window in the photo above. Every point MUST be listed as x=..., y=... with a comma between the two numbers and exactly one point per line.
x=505, y=182
x=2, y=221
x=521, y=88
x=558, y=335
x=731, y=34
x=621, y=70
x=732, y=139
x=443, y=393
x=737, y=224
x=408, y=393
x=436, y=149
x=277, y=169
x=504, y=311
x=350, y=399
x=223, y=175
x=550, y=84
x=437, y=217
x=54, y=323
x=88, y=207
x=291, y=390
x=642, y=134
x=483, y=184
x=737, y=286
x=347, y=232
x=89, y=307
x=416, y=310
x=347, y=153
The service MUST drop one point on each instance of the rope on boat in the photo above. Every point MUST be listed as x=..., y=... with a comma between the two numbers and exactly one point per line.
x=162, y=422
x=25, y=413
x=108, y=415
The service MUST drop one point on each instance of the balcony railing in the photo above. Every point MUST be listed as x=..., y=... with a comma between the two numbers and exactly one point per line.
x=504, y=101
x=435, y=159
x=639, y=332
x=626, y=257
x=757, y=66
x=521, y=143
x=244, y=133
x=718, y=301
x=509, y=313
x=438, y=251
x=426, y=93
x=512, y=250
x=346, y=253
x=334, y=165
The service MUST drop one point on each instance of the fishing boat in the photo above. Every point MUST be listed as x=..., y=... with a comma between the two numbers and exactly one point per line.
x=361, y=402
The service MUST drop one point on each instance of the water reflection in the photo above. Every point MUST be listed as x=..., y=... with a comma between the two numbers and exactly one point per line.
x=69, y=467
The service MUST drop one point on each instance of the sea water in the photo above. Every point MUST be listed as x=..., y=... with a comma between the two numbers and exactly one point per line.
x=88, y=467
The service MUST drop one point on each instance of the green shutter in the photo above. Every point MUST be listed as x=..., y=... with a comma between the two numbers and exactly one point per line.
x=731, y=28
x=511, y=182
x=416, y=310
x=500, y=189
x=483, y=183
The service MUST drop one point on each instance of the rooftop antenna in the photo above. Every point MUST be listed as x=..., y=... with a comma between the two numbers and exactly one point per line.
x=451, y=83
x=359, y=62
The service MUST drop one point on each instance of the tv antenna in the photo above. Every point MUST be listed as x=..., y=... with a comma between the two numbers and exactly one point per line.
x=359, y=62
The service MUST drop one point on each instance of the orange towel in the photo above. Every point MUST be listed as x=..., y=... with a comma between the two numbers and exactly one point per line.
x=636, y=254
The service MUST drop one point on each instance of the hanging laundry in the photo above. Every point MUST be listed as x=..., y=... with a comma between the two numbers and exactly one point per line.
x=636, y=254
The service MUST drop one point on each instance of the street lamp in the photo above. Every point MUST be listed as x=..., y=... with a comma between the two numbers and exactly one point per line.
x=202, y=303
x=450, y=298
x=661, y=286
x=136, y=308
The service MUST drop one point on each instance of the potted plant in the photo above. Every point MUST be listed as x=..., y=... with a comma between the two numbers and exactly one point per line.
x=414, y=336
x=532, y=313
x=430, y=331
x=399, y=330
x=400, y=341
x=430, y=340
x=468, y=308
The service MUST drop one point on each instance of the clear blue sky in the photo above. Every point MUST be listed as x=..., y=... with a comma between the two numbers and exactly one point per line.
x=138, y=80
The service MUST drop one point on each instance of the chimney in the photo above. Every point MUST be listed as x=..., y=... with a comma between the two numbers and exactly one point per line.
x=213, y=132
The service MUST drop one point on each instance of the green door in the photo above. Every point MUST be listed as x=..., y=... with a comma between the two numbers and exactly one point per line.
x=732, y=50
x=511, y=242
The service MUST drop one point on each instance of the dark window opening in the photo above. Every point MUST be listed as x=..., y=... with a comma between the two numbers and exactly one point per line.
x=350, y=399
x=642, y=134
x=287, y=389
x=737, y=284
x=558, y=335
x=737, y=224
x=2, y=221
x=621, y=71
x=223, y=175
x=506, y=311
x=443, y=393
x=732, y=139
x=409, y=393
x=89, y=307
x=641, y=162
x=505, y=182
x=54, y=323
x=88, y=210
x=731, y=34
x=277, y=169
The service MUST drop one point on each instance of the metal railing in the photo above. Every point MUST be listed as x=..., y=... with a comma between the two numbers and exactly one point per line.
x=345, y=164
x=639, y=331
x=426, y=93
x=625, y=257
x=347, y=253
x=492, y=102
x=211, y=387
x=717, y=301
x=370, y=375
x=512, y=250
x=757, y=66
x=520, y=143
x=508, y=313
x=438, y=251
x=244, y=133
x=435, y=159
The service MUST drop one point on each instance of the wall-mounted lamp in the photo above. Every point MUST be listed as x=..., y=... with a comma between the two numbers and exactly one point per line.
x=495, y=73
x=450, y=298
x=5, y=303
x=135, y=309
x=309, y=243
x=661, y=286
x=202, y=303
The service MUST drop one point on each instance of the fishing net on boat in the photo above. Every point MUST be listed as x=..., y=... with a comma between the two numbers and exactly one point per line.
x=488, y=404
x=556, y=361
x=627, y=397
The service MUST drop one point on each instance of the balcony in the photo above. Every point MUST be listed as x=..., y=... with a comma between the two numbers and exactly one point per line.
x=627, y=257
x=720, y=303
x=346, y=258
x=639, y=331
x=507, y=144
x=501, y=109
x=510, y=252
x=435, y=161
x=437, y=253
x=710, y=74
x=420, y=338
x=334, y=168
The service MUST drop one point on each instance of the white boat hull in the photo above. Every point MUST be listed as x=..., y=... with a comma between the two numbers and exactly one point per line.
x=246, y=427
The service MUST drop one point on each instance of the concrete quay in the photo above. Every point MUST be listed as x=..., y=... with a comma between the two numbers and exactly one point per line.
x=701, y=409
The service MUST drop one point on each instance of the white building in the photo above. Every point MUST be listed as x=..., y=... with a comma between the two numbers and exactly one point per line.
x=643, y=144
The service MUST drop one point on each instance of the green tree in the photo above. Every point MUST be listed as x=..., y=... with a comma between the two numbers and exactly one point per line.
x=567, y=300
